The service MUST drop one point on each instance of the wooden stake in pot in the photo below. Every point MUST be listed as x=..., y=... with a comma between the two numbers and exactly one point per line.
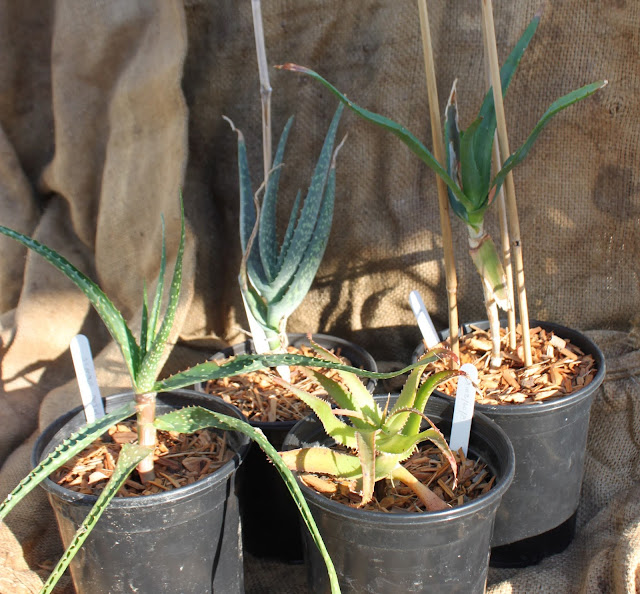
x=443, y=200
x=512, y=207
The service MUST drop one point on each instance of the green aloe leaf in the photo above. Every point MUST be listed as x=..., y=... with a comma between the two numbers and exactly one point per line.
x=150, y=366
x=129, y=457
x=367, y=456
x=267, y=235
x=321, y=460
x=63, y=453
x=410, y=141
x=341, y=432
x=190, y=419
x=412, y=426
x=247, y=363
x=395, y=422
x=110, y=315
x=157, y=299
x=475, y=185
x=556, y=106
x=144, y=322
x=485, y=136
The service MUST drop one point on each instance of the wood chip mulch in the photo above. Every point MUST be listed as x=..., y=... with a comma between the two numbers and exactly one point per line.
x=262, y=400
x=559, y=368
x=179, y=460
x=430, y=467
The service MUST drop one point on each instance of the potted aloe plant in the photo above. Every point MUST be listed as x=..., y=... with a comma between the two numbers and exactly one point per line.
x=275, y=276
x=367, y=441
x=185, y=540
x=549, y=436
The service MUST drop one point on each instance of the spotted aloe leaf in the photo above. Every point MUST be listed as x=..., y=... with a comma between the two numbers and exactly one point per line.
x=247, y=363
x=190, y=419
x=158, y=339
x=130, y=456
x=63, y=453
x=110, y=315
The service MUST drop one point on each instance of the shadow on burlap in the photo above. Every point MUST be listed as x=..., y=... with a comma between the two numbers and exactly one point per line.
x=108, y=109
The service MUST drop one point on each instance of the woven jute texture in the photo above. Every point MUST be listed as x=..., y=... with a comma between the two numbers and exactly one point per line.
x=109, y=109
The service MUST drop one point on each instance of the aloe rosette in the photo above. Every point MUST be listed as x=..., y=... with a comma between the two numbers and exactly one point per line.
x=274, y=278
x=471, y=186
x=379, y=439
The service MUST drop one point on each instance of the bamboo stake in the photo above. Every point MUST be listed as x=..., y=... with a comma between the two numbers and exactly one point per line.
x=443, y=199
x=504, y=227
x=265, y=86
x=512, y=207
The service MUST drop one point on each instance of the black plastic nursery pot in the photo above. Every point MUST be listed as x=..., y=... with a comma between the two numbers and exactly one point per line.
x=444, y=552
x=269, y=514
x=182, y=541
x=537, y=515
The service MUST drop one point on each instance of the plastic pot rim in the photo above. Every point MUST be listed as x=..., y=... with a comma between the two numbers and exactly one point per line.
x=513, y=409
x=173, y=496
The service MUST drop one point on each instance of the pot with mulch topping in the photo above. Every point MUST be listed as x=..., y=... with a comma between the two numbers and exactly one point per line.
x=186, y=522
x=269, y=515
x=393, y=545
x=544, y=409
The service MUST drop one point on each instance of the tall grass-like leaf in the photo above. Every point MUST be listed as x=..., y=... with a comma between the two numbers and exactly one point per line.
x=130, y=456
x=190, y=419
x=556, y=106
x=71, y=446
x=110, y=315
x=410, y=141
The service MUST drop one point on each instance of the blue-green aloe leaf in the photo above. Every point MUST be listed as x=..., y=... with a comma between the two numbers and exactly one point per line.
x=190, y=419
x=291, y=227
x=267, y=235
x=63, y=453
x=556, y=106
x=130, y=456
x=110, y=315
x=308, y=221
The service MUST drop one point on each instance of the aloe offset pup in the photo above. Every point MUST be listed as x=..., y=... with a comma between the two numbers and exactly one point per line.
x=468, y=176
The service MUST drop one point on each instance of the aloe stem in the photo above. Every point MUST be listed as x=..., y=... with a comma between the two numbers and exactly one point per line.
x=494, y=326
x=512, y=207
x=146, y=414
x=430, y=500
x=265, y=86
x=443, y=199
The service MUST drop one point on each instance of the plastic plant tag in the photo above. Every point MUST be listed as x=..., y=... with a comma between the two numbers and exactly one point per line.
x=424, y=320
x=260, y=342
x=86, y=374
x=463, y=409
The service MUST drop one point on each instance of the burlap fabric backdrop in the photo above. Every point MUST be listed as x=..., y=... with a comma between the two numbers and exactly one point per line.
x=107, y=109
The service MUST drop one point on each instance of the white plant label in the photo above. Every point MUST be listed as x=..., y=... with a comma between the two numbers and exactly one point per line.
x=260, y=342
x=423, y=318
x=463, y=409
x=86, y=374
